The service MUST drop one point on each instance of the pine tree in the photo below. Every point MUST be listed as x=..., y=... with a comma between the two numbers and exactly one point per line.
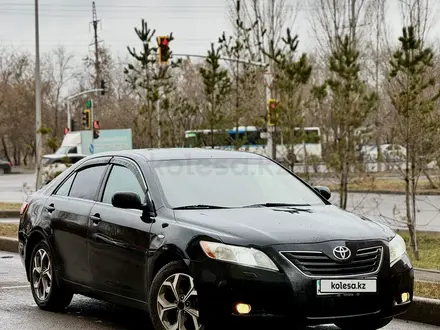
x=414, y=98
x=147, y=80
x=217, y=89
x=351, y=105
x=291, y=76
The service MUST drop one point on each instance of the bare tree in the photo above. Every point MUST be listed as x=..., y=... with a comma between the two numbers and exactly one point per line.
x=60, y=72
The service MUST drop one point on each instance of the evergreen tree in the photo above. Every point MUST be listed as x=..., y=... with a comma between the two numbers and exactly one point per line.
x=351, y=105
x=148, y=79
x=217, y=89
x=414, y=97
x=291, y=75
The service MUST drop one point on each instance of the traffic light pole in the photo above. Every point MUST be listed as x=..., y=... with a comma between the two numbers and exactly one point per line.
x=71, y=97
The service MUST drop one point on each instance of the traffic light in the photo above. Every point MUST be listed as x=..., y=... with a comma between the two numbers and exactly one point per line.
x=272, y=112
x=86, y=118
x=96, y=129
x=102, y=87
x=164, y=49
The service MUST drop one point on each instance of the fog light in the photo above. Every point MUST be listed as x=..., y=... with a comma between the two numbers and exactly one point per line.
x=405, y=297
x=242, y=308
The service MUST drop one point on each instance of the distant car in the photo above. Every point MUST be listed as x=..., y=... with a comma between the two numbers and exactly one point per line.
x=54, y=164
x=209, y=237
x=5, y=167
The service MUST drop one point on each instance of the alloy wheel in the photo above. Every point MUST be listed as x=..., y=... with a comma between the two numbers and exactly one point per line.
x=42, y=275
x=177, y=303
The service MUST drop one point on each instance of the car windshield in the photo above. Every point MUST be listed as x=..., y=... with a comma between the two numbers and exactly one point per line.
x=230, y=183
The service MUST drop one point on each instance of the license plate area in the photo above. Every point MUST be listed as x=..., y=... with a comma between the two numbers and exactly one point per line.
x=327, y=287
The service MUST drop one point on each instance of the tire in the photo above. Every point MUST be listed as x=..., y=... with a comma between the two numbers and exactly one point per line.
x=55, y=298
x=162, y=287
x=364, y=324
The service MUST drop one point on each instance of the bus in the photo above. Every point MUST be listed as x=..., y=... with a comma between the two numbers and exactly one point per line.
x=254, y=139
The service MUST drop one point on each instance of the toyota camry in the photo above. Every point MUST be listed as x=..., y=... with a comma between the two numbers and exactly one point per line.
x=209, y=238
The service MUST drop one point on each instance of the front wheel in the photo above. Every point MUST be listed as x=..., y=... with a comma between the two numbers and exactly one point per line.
x=48, y=295
x=364, y=324
x=173, y=299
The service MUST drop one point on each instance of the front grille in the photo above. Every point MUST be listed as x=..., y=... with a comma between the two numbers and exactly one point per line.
x=314, y=263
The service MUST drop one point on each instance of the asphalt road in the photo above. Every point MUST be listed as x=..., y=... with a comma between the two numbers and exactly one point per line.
x=18, y=310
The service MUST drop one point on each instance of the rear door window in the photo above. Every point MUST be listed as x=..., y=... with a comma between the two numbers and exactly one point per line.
x=87, y=181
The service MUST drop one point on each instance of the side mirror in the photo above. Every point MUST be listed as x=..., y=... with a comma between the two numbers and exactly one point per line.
x=127, y=200
x=130, y=200
x=324, y=191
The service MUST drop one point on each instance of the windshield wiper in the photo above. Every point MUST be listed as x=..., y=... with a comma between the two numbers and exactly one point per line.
x=199, y=206
x=276, y=205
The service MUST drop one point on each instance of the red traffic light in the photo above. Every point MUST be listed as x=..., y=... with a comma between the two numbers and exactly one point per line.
x=165, y=42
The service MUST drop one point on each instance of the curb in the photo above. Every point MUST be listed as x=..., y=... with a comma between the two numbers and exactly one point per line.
x=9, y=214
x=434, y=271
x=423, y=310
x=9, y=244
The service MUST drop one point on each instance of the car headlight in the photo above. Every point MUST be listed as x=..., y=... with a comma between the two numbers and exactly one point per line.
x=397, y=249
x=239, y=255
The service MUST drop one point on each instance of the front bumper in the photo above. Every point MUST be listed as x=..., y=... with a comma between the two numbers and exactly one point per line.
x=291, y=296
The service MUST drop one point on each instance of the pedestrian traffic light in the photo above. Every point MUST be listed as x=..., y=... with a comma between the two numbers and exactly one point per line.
x=86, y=118
x=102, y=87
x=96, y=129
x=272, y=112
x=164, y=49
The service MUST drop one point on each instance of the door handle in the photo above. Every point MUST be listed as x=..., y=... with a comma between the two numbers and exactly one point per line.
x=50, y=208
x=96, y=218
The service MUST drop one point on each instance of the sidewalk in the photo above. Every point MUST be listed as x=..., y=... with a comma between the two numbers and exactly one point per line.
x=426, y=275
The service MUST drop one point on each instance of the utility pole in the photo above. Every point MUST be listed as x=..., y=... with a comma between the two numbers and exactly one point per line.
x=96, y=42
x=97, y=64
x=38, y=146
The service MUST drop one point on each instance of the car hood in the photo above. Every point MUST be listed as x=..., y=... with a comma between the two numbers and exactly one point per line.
x=270, y=226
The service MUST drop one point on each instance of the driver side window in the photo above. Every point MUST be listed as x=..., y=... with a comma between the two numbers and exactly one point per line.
x=121, y=179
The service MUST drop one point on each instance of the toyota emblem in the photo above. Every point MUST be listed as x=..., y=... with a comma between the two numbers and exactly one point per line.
x=342, y=252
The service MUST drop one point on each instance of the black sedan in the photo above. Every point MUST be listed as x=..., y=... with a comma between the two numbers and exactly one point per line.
x=209, y=238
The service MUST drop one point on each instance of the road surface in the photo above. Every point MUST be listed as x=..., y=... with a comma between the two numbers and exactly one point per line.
x=18, y=310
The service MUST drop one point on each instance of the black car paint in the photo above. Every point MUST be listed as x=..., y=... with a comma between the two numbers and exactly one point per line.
x=118, y=259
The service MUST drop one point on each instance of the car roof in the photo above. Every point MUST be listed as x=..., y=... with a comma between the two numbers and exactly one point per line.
x=180, y=153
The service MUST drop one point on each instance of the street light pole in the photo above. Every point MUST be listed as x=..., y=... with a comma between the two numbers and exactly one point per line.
x=38, y=145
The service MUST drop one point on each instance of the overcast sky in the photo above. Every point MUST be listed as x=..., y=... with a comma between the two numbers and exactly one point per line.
x=194, y=23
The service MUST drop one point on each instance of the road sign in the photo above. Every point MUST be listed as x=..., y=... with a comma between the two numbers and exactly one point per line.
x=91, y=148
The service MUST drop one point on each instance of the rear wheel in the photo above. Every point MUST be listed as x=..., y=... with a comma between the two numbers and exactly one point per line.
x=173, y=299
x=48, y=295
x=364, y=324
